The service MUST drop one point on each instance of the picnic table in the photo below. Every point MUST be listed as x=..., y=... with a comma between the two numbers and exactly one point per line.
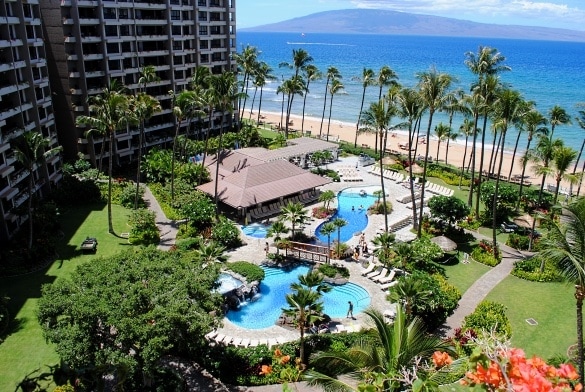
x=89, y=244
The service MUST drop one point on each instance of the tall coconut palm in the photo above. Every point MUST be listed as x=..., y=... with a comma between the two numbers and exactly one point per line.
x=557, y=116
x=225, y=89
x=563, y=157
x=386, y=78
x=247, y=62
x=263, y=76
x=581, y=121
x=109, y=111
x=327, y=197
x=509, y=109
x=331, y=74
x=533, y=123
x=520, y=128
x=475, y=102
x=366, y=79
x=335, y=88
x=466, y=128
x=442, y=132
x=291, y=87
x=328, y=229
x=378, y=117
x=184, y=105
x=339, y=223
x=305, y=304
x=564, y=244
x=376, y=363
x=311, y=73
x=410, y=108
x=301, y=59
x=32, y=149
x=433, y=88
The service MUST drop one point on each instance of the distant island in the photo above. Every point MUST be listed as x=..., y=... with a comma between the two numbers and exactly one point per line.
x=368, y=21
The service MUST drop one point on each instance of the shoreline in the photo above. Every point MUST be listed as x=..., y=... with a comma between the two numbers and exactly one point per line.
x=346, y=132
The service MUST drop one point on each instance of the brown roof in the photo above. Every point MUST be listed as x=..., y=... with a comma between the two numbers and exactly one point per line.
x=253, y=184
x=295, y=148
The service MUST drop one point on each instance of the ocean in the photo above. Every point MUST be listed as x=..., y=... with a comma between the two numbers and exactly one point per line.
x=546, y=72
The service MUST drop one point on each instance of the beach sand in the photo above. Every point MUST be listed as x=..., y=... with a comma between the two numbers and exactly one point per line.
x=346, y=132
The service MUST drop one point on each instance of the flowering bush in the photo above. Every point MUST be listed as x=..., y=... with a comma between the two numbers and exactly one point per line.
x=508, y=369
x=322, y=212
x=283, y=368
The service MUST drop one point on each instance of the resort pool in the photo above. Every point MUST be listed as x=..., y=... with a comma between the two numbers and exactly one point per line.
x=351, y=206
x=227, y=283
x=265, y=310
x=256, y=230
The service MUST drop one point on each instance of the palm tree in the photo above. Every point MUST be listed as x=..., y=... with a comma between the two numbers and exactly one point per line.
x=376, y=363
x=533, y=122
x=408, y=291
x=475, y=102
x=32, y=149
x=226, y=94
x=410, y=108
x=211, y=252
x=367, y=79
x=184, y=106
x=581, y=122
x=327, y=197
x=311, y=73
x=264, y=74
x=291, y=87
x=339, y=223
x=384, y=242
x=332, y=74
x=295, y=214
x=509, y=108
x=433, y=88
x=276, y=230
x=466, y=128
x=247, y=63
x=378, y=118
x=564, y=245
x=305, y=304
x=108, y=112
x=328, y=229
x=563, y=157
x=335, y=88
x=557, y=116
x=442, y=132
x=386, y=77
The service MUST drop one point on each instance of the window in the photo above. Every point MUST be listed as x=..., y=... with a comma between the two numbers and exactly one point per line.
x=202, y=15
x=202, y=30
x=176, y=30
x=109, y=13
x=175, y=15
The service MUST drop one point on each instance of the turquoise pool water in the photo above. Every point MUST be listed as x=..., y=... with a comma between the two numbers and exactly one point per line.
x=351, y=206
x=256, y=230
x=264, y=311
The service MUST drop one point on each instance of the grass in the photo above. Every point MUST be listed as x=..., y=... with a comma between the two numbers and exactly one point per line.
x=463, y=276
x=552, y=305
x=24, y=349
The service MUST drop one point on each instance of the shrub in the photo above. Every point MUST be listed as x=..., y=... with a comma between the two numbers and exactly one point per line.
x=489, y=316
x=321, y=212
x=518, y=241
x=378, y=208
x=332, y=271
x=72, y=191
x=144, y=230
x=530, y=270
x=484, y=254
x=128, y=193
x=226, y=233
x=447, y=174
x=248, y=270
x=188, y=244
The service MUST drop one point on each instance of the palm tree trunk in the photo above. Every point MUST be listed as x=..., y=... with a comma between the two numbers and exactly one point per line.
x=110, y=166
x=494, y=153
x=260, y=104
x=173, y=161
x=329, y=119
x=480, y=172
x=206, y=145
x=438, y=146
x=495, y=204
x=463, y=161
x=531, y=237
x=138, y=167
x=382, y=183
x=414, y=210
x=580, y=180
x=252, y=105
x=473, y=154
x=514, y=156
x=424, y=179
x=324, y=106
x=558, y=184
x=522, y=177
x=304, y=104
x=357, y=125
x=217, y=162
x=29, y=207
x=579, y=295
x=575, y=169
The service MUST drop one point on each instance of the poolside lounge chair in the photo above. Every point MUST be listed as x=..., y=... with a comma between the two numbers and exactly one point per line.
x=388, y=285
x=254, y=342
x=388, y=278
x=272, y=342
x=219, y=338
x=281, y=340
x=236, y=341
x=375, y=272
x=211, y=335
x=369, y=269
x=382, y=274
x=244, y=343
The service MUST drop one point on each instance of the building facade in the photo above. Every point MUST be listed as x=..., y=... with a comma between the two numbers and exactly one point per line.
x=93, y=42
x=25, y=106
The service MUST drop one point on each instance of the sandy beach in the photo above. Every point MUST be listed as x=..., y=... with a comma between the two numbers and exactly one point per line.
x=346, y=132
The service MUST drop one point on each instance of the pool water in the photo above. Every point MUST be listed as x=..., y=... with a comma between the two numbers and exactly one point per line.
x=352, y=207
x=256, y=230
x=265, y=310
x=227, y=283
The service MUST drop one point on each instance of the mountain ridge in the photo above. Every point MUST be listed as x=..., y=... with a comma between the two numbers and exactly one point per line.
x=386, y=22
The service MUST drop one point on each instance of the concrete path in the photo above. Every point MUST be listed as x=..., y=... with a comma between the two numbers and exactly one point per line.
x=481, y=288
x=167, y=228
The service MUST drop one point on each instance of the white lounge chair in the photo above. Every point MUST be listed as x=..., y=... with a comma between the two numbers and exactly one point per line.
x=381, y=275
x=254, y=342
x=236, y=341
x=244, y=343
x=369, y=269
x=211, y=335
x=375, y=272
x=388, y=285
x=388, y=278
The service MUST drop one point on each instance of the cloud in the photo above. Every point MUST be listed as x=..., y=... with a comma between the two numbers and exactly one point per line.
x=544, y=13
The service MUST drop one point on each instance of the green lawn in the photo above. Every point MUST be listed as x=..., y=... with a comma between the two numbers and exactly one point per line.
x=25, y=349
x=552, y=305
x=463, y=276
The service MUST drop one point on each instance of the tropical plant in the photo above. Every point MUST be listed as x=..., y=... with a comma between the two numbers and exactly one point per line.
x=247, y=62
x=327, y=229
x=31, y=150
x=332, y=74
x=366, y=79
x=209, y=253
x=384, y=242
x=143, y=227
x=311, y=72
x=339, y=223
x=327, y=197
x=386, y=78
x=442, y=132
x=489, y=317
x=450, y=209
x=109, y=112
x=276, y=230
x=376, y=363
x=335, y=88
x=563, y=158
x=295, y=214
x=557, y=116
x=564, y=245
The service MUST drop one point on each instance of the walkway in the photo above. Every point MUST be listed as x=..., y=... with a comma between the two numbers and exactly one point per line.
x=481, y=288
x=167, y=228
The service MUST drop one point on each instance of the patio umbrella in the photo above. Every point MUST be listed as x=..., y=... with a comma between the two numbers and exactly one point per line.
x=524, y=221
x=417, y=169
x=446, y=244
x=388, y=161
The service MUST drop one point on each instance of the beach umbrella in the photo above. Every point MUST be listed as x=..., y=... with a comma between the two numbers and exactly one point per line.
x=388, y=161
x=524, y=221
x=446, y=244
x=417, y=169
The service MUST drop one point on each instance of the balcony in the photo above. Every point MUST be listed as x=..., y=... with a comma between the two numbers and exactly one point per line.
x=8, y=193
x=21, y=198
x=18, y=176
x=89, y=21
x=5, y=170
x=94, y=74
x=9, y=20
x=91, y=39
x=93, y=56
x=9, y=66
x=70, y=40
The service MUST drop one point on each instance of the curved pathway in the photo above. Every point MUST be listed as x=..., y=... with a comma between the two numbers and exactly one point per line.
x=482, y=286
x=167, y=228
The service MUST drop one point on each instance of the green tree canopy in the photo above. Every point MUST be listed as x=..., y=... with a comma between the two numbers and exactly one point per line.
x=129, y=310
x=448, y=208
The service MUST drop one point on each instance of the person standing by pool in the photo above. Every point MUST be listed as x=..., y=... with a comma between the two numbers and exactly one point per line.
x=350, y=310
x=266, y=248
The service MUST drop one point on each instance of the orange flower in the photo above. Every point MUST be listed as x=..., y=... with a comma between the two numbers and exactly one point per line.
x=284, y=360
x=266, y=369
x=277, y=353
x=441, y=359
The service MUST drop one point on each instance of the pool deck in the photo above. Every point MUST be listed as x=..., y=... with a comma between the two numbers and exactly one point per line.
x=254, y=252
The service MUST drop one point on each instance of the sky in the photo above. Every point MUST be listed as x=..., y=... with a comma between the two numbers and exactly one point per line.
x=568, y=14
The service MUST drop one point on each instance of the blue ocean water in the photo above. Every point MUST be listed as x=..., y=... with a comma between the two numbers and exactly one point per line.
x=546, y=72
